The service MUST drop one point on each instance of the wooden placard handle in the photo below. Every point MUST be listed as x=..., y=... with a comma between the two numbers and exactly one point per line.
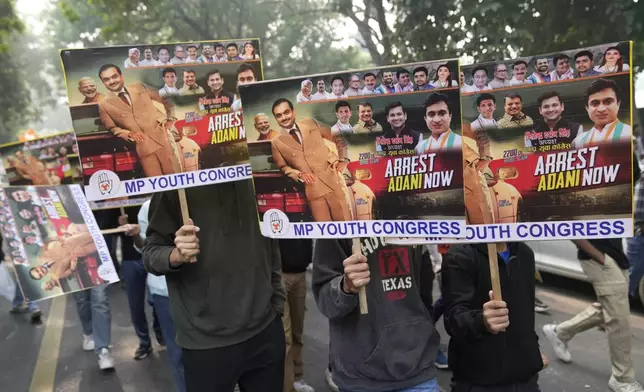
x=185, y=214
x=362, y=294
x=491, y=248
x=113, y=231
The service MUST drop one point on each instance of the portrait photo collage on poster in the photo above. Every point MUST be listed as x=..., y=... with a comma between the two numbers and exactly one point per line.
x=552, y=137
x=152, y=118
x=374, y=152
x=52, y=237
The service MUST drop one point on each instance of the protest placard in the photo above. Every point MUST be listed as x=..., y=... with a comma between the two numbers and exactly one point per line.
x=47, y=160
x=52, y=237
x=153, y=118
x=373, y=152
x=551, y=134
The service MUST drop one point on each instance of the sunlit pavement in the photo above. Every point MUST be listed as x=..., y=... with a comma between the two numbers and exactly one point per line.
x=49, y=357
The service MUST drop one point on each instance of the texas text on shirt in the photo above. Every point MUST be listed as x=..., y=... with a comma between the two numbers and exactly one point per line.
x=394, y=346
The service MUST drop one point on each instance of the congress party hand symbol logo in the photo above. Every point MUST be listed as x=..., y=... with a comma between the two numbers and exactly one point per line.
x=104, y=183
x=276, y=223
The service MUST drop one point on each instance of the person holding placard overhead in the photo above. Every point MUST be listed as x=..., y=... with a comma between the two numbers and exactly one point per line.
x=493, y=345
x=224, y=284
x=393, y=348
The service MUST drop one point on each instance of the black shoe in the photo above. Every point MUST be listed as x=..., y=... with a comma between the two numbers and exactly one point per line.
x=36, y=316
x=161, y=340
x=142, y=352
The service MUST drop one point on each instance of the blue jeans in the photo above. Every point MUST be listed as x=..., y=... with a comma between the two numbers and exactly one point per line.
x=19, y=300
x=94, y=312
x=428, y=386
x=636, y=260
x=162, y=307
x=135, y=276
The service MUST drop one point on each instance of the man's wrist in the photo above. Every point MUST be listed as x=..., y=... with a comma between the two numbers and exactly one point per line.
x=344, y=287
x=175, y=259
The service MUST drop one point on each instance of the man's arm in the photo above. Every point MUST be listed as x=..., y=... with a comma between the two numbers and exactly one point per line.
x=459, y=276
x=328, y=275
x=282, y=165
x=165, y=219
x=165, y=101
x=110, y=125
x=279, y=293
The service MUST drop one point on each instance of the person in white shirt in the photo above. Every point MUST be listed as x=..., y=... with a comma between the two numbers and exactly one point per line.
x=343, y=113
x=479, y=81
x=562, y=68
x=305, y=94
x=612, y=62
x=486, y=105
x=404, y=84
x=192, y=55
x=179, y=53
x=159, y=290
x=602, y=104
x=354, y=86
x=148, y=60
x=337, y=88
x=369, y=84
x=170, y=79
x=500, y=79
x=438, y=117
x=133, y=58
x=220, y=53
x=163, y=54
x=245, y=75
x=520, y=69
x=321, y=93
x=443, y=77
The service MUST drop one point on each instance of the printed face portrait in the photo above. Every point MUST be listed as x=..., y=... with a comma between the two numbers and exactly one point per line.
x=563, y=66
x=519, y=72
x=25, y=214
x=87, y=87
x=354, y=82
x=603, y=107
x=177, y=135
x=513, y=106
x=219, y=51
x=542, y=65
x=284, y=115
x=583, y=64
x=551, y=109
x=404, y=80
x=438, y=117
x=215, y=82
x=21, y=196
x=27, y=229
x=337, y=87
x=370, y=82
x=189, y=78
x=207, y=50
x=462, y=77
x=179, y=52
x=480, y=78
x=387, y=78
x=164, y=55
x=192, y=52
x=612, y=56
x=170, y=78
x=232, y=51
x=307, y=88
x=38, y=273
x=501, y=72
x=31, y=240
x=487, y=108
x=245, y=77
x=420, y=78
x=112, y=80
x=443, y=73
x=14, y=244
x=343, y=114
x=365, y=113
x=262, y=124
x=134, y=55
x=248, y=48
x=397, y=117
x=148, y=54
x=321, y=86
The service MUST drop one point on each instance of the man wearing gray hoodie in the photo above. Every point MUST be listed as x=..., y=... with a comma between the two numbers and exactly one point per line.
x=226, y=305
x=393, y=347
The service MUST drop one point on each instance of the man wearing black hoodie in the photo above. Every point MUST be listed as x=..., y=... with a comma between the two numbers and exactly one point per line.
x=493, y=346
x=393, y=347
x=226, y=306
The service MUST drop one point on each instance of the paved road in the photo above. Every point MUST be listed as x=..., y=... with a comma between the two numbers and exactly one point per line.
x=49, y=357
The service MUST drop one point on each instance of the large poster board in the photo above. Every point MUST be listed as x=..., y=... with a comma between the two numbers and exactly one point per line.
x=373, y=152
x=54, y=241
x=48, y=160
x=153, y=118
x=556, y=131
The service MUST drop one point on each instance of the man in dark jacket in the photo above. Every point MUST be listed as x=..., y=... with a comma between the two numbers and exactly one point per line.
x=606, y=266
x=392, y=348
x=226, y=305
x=493, y=346
x=296, y=254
